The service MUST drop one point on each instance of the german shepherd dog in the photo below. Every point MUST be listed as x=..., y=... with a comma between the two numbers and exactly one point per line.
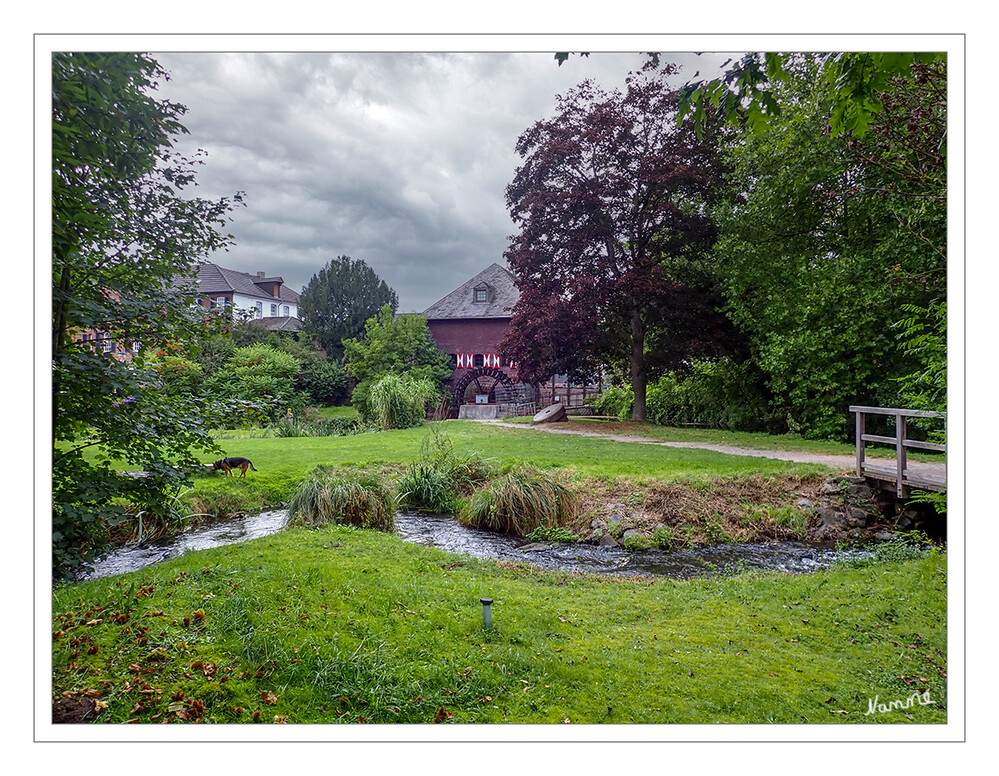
x=228, y=464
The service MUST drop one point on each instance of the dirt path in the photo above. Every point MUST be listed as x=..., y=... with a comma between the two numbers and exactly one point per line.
x=840, y=462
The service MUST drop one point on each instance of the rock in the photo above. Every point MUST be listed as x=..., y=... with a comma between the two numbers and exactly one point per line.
x=534, y=547
x=607, y=541
x=554, y=413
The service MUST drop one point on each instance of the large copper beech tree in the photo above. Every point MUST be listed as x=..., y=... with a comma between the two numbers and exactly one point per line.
x=612, y=257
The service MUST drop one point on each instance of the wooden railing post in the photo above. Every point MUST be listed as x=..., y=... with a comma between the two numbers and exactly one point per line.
x=901, y=489
x=860, y=428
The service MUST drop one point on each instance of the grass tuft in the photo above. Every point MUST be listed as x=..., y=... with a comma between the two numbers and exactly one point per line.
x=323, y=497
x=522, y=501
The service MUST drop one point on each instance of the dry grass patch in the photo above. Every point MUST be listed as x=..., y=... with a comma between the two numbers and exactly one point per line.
x=745, y=509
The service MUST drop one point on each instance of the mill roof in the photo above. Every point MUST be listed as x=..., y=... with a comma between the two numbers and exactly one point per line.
x=500, y=296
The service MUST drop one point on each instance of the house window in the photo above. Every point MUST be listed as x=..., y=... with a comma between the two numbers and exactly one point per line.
x=259, y=309
x=273, y=311
x=107, y=345
x=285, y=311
x=478, y=360
x=219, y=302
x=135, y=346
x=481, y=294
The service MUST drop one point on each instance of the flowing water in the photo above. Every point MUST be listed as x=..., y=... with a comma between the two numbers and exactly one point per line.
x=444, y=532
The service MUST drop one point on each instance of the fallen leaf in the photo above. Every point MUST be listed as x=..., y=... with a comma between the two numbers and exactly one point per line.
x=269, y=698
x=443, y=715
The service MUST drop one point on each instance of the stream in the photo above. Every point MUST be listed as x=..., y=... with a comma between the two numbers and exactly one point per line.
x=444, y=532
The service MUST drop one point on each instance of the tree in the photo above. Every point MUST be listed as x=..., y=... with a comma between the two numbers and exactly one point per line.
x=338, y=300
x=401, y=346
x=829, y=238
x=612, y=206
x=121, y=232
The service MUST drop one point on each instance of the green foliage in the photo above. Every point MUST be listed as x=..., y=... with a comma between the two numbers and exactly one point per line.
x=401, y=402
x=923, y=336
x=339, y=299
x=178, y=375
x=719, y=394
x=122, y=230
x=438, y=480
x=749, y=93
x=616, y=400
x=258, y=373
x=398, y=346
x=319, y=427
x=819, y=253
x=556, y=534
x=521, y=501
x=326, y=382
x=323, y=497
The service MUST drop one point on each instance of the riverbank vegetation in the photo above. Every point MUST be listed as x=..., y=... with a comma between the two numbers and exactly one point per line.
x=343, y=625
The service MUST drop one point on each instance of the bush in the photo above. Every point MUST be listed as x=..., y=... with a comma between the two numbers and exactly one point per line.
x=320, y=427
x=718, y=394
x=617, y=401
x=401, y=402
x=520, y=502
x=258, y=373
x=322, y=498
x=326, y=382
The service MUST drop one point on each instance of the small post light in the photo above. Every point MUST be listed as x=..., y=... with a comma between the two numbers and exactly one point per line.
x=487, y=617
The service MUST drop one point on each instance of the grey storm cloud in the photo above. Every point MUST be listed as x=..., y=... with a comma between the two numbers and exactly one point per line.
x=399, y=159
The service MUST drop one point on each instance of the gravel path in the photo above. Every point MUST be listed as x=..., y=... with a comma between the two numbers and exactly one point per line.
x=841, y=462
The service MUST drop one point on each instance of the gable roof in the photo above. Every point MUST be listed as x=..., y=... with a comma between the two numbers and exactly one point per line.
x=501, y=296
x=213, y=279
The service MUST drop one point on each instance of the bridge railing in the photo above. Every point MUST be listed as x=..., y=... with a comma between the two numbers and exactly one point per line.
x=904, y=477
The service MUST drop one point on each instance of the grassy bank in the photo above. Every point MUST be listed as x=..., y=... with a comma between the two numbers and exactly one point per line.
x=282, y=461
x=350, y=626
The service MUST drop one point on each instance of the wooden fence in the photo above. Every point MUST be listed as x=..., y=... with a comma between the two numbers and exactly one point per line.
x=903, y=475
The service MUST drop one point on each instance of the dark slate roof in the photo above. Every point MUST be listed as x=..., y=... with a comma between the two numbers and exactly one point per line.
x=281, y=323
x=502, y=295
x=213, y=279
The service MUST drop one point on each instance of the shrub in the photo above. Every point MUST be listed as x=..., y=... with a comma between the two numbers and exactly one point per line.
x=521, y=501
x=401, y=402
x=322, y=498
x=326, y=382
x=617, y=400
x=258, y=373
x=719, y=394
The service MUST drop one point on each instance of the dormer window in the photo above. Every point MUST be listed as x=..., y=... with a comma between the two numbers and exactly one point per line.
x=481, y=293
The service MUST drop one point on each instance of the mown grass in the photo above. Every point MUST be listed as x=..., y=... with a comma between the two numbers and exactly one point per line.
x=714, y=436
x=342, y=625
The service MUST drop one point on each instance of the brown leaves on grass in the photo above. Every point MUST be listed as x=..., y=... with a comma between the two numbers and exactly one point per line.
x=443, y=715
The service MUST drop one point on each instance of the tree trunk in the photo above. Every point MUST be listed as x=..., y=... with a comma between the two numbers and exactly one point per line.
x=638, y=364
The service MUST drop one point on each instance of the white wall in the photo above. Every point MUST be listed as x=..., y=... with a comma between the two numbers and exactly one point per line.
x=248, y=303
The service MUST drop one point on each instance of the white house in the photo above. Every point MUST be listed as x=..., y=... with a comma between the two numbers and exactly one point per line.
x=258, y=297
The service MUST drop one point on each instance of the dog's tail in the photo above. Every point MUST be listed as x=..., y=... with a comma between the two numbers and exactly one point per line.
x=252, y=467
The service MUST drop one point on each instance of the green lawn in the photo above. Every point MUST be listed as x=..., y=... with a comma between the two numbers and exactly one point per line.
x=345, y=625
x=714, y=436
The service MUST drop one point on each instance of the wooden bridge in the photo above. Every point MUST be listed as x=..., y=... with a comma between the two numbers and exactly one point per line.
x=904, y=475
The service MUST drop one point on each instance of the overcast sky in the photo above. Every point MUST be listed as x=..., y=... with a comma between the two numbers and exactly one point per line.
x=399, y=159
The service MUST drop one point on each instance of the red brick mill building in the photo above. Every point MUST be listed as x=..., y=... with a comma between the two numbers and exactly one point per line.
x=469, y=324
